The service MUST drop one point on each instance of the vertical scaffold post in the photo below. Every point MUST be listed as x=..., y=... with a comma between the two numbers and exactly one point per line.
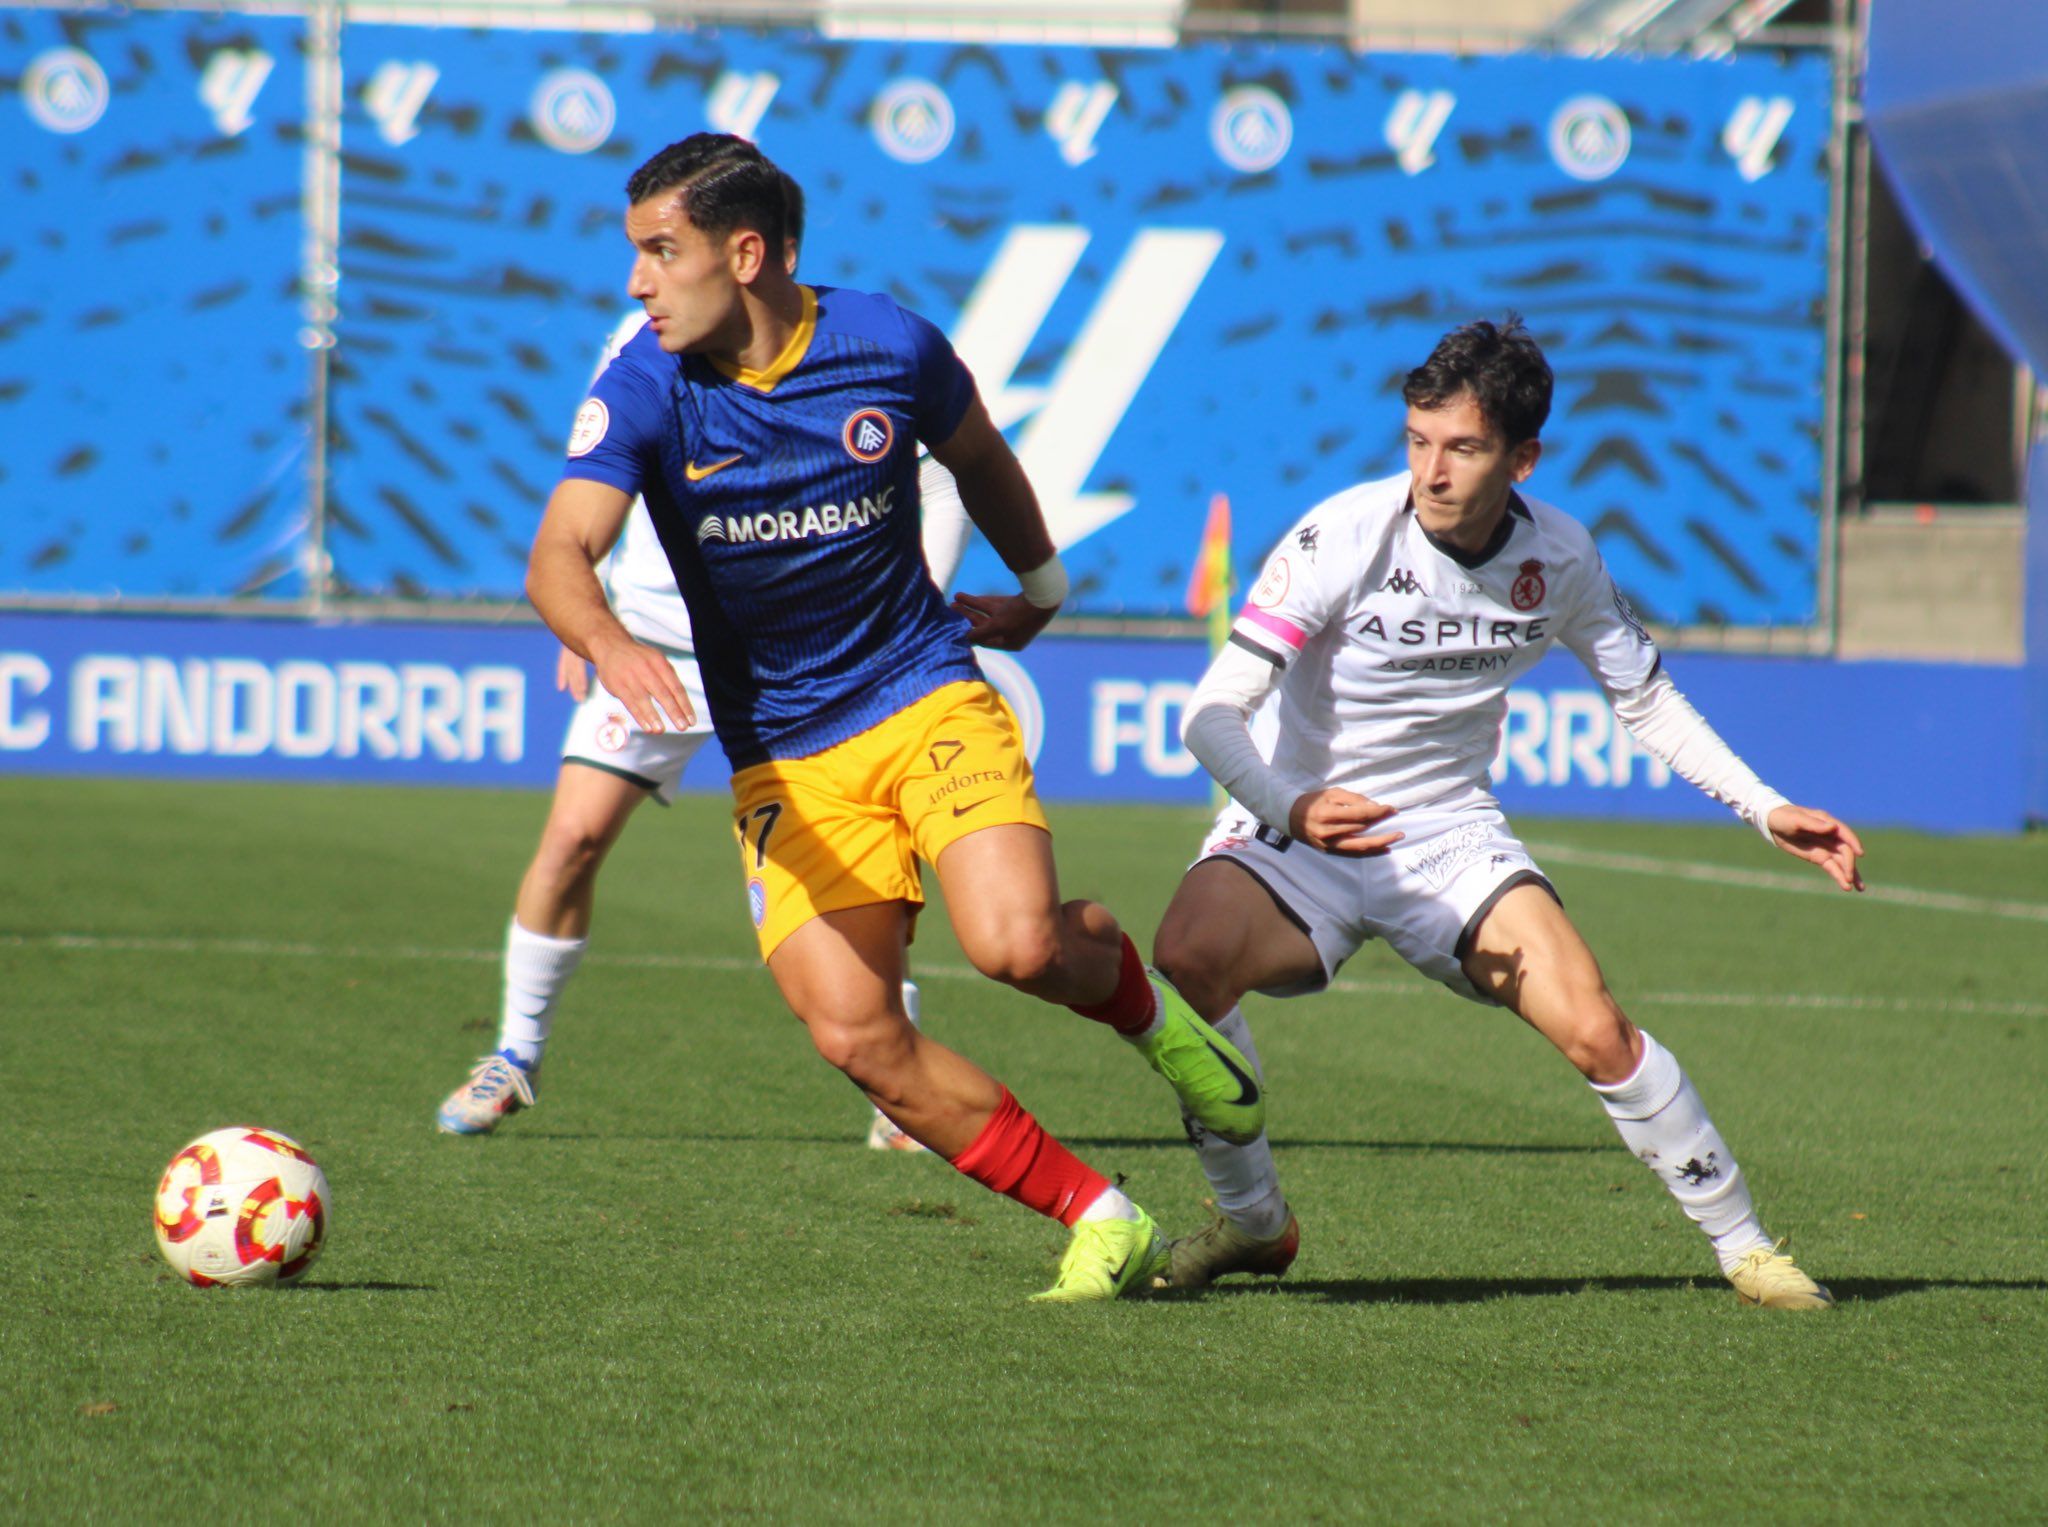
x=320, y=276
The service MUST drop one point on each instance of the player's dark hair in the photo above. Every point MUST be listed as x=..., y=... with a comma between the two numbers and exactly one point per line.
x=1500, y=365
x=792, y=208
x=725, y=183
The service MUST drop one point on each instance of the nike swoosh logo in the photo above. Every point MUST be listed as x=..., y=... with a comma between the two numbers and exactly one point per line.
x=1118, y=1276
x=1247, y=1087
x=961, y=811
x=697, y=474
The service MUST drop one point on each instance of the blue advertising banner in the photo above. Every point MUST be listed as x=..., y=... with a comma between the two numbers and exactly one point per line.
x=153, y=391
x=1900, y=744
x=1175, y=273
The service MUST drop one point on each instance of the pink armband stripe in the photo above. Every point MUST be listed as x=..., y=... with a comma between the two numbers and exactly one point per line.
x=1286, y=630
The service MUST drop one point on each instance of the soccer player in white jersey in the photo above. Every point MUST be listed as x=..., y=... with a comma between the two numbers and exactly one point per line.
x=610, y=766
x=1390, y=622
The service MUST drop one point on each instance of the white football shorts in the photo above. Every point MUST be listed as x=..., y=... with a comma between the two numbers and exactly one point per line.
x=1426, y=896
x=603, y=735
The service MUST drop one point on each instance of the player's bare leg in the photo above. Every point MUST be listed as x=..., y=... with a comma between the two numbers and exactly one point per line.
x=1002, y=892
x=1529, y=957
x=1223, y=936
x=842, y=975
x=589, y=812
x=545, y=942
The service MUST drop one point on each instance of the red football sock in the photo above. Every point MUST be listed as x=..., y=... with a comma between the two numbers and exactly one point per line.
x=1133, y=1004
x=1016, y=1157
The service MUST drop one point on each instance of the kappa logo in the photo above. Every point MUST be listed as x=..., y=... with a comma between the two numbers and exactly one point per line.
x=1412, y=127
x=1633, y=621
x=228, y=88
x=868, y=435
x=1067, y=423
x=1401, y=581
x=395, y=97
x=739, y=101
x=1076, y=116
x=1695, y=1171
x=1528, y=589
x=572, y=110
x=1589, y=137
x=912, y=120
x=65, y=90
x=1752, y=133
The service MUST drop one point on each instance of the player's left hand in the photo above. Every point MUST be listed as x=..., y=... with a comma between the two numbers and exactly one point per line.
x=1006, y=622
x=1810, y=834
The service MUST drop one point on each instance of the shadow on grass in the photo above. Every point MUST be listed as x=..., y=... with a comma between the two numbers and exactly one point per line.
x=1294, y=1143
x=1479, y=1290
x=361, y=1288
x=684, y=1136
x=1163, y=1142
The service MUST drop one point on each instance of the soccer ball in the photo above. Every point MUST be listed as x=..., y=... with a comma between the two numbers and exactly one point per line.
x=241, y=1206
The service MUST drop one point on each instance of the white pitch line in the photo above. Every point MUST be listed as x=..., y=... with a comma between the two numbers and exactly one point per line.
x=1816, y=884
x=1373, y=986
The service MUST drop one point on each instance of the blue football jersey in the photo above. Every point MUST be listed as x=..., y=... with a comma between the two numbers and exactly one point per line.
x=787, y=502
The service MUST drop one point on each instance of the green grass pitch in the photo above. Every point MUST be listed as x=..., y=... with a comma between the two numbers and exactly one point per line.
x=680, y=1288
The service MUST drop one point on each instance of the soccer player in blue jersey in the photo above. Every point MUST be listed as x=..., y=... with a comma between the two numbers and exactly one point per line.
x=772, y=428
x=609, y=767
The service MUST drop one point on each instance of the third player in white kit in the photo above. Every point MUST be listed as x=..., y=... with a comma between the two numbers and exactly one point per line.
x=1391, y=621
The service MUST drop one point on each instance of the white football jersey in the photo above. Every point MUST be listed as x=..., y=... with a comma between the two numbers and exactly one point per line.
x=1397, y=648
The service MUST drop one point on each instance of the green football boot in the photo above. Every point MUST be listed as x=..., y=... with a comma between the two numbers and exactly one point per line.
x=1218, y=1087
x=1105, y=1258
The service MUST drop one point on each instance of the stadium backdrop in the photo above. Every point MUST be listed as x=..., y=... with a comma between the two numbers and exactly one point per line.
x=1176, y=272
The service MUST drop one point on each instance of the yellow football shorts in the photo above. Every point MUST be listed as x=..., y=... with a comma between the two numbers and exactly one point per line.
x=846, y=827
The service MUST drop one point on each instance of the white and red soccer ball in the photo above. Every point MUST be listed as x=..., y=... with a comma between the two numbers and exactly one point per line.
x=241, y=1206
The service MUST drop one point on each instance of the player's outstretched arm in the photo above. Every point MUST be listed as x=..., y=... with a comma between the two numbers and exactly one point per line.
x=1808, y=833
x=583, y=519
x=998, y=499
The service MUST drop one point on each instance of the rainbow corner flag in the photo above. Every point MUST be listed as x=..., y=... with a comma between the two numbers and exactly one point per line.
x=1209, y=583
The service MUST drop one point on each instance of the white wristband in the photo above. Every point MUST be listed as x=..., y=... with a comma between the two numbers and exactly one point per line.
x=1046, y=584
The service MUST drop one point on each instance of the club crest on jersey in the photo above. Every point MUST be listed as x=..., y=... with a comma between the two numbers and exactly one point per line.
x=1528, y=588
x=868, y=435
x=612, y=733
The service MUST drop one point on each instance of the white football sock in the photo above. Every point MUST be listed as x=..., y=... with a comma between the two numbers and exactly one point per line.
x=1661, y=1118
x=1110, y=1203
x=536, y=969
x=1243, y=1177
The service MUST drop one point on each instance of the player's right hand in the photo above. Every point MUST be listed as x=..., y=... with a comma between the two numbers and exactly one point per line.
x=641, y=679
x=572, y=674
x=1340, y=822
